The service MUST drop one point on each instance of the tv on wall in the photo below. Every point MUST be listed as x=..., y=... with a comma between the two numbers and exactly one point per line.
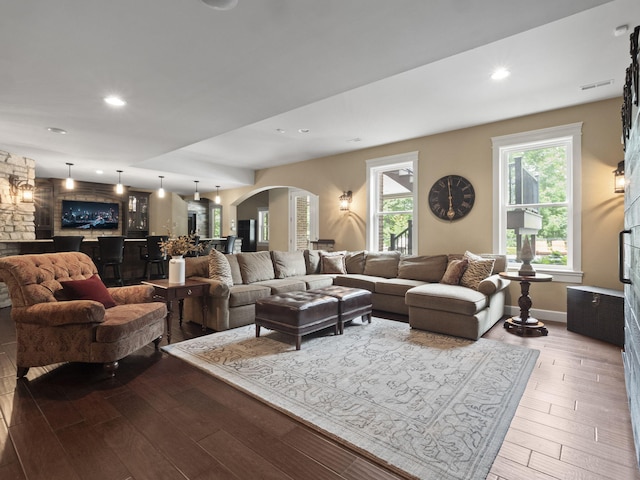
x=88, y=215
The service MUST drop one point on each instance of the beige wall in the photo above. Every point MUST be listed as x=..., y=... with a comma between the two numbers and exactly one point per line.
x=167, y=214
x=468, y=152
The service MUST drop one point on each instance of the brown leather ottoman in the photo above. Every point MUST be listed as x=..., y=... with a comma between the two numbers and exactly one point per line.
x=297, y=313
x=353, y=303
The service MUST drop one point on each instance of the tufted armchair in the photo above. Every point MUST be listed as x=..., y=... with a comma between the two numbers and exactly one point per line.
x=52, y=328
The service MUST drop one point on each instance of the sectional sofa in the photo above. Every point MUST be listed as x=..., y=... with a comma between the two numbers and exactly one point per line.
x=405, y=285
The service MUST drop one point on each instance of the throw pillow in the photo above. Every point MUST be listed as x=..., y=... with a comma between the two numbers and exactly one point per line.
x=454, y=271
x=219, y=268
x=477, y=271
x=91, y=288
x=332, y=264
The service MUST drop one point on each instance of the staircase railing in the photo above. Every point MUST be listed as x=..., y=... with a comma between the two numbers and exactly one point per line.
x=402, y=241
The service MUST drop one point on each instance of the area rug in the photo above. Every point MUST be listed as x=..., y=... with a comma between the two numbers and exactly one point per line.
x=425, y=405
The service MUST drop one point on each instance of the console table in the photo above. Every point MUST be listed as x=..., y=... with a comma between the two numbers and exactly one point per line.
x=524, y=323
x=169, y=292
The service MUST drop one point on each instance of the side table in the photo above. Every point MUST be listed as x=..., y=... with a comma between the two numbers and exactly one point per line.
x=525, y=323
x=169, y=292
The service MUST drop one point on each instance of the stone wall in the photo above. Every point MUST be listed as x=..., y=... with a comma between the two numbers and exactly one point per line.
x=16, y=218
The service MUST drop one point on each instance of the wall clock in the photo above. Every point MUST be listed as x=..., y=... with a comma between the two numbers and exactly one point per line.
x=451, y=197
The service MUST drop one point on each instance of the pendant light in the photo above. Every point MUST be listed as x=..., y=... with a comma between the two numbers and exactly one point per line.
x=161, y=190
x=196, y=195
x=119, y=186
x=217, y=199
x=69, y=183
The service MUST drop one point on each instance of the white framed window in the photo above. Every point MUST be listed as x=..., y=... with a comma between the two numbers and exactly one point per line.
x=392, y=203
x=537, y=177
x=263, y=224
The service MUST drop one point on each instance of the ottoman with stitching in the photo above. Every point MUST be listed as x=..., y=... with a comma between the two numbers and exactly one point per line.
x=297, y=313
x=353, y=303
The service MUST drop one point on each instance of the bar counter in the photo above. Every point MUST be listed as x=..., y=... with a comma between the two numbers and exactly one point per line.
x=132, y=266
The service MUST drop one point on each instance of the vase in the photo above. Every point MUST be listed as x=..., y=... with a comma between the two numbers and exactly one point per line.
x=176, y=269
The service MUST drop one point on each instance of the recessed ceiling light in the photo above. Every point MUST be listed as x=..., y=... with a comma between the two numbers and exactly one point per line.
x=60, y=131
x=221, y=4
x=114, y=101
x=500, y=74
x=280, y=130
x=99, y=172
x=354, y=140
x=303, y=130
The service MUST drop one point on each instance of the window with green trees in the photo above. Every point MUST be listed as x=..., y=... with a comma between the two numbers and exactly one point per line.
x=392, y=191
x=538, y=178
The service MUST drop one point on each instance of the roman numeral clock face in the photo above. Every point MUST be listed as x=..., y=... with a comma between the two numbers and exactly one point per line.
x=451, y=197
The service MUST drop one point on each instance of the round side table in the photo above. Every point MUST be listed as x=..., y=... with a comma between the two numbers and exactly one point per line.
x=524, y=323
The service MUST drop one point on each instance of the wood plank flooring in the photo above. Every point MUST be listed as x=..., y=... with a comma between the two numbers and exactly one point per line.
x=160, y=418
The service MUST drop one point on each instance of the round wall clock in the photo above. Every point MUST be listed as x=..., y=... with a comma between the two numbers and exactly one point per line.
x=451, y=197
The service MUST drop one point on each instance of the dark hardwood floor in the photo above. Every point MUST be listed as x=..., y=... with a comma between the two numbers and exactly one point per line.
x=160, y=418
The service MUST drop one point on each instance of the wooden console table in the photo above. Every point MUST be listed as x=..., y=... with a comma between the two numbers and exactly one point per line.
x=524, y=323
x=169, y=292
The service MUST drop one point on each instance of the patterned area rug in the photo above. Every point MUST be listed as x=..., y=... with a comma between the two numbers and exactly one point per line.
x=424, y=404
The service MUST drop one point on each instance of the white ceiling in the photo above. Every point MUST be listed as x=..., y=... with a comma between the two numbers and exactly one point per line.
x=207, y=90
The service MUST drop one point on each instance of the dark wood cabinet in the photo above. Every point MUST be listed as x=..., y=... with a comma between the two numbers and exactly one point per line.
x=248, y=233
x=597, y=313
x=137, y=215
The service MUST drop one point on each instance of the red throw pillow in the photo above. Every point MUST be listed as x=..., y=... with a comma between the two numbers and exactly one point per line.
x=89, y=289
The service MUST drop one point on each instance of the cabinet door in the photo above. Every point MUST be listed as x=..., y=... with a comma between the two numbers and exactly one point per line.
x=138, y=215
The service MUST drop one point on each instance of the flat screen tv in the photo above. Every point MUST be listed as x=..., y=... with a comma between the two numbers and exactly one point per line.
x=89, y=215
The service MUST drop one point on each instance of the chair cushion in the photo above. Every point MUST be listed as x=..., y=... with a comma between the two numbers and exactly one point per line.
x=123, y=321
x=91, y=288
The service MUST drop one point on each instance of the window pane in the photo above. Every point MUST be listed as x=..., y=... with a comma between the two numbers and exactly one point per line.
x=538, y=176
x=547, y=231
x=397, y=204
x=396, y=232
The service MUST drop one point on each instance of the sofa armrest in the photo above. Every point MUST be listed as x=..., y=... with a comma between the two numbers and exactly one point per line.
x=493, y=284
x=217, y=289
x=132, y=294
x=53, y=314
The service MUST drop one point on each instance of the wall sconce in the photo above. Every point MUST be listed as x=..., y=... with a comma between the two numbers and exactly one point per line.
x=22, y=189
x=618, y=178
x=345, y=201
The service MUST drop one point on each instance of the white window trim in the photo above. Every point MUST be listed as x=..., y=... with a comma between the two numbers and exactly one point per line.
x=261, y=209
x=560, y=273
x=374, y=166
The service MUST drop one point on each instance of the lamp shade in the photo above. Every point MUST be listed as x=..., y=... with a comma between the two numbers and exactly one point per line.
x=618, y=178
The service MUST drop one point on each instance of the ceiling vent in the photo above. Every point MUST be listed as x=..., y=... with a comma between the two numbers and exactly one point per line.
x=591, y=86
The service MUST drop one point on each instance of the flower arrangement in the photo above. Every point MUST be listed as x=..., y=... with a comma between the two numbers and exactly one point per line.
x=180, y=245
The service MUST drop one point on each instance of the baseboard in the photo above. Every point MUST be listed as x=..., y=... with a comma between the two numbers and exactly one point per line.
x=549, y=315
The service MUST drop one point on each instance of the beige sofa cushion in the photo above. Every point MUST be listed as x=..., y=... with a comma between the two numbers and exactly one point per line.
x=333, y=264
x=396, y=286
x=312, y=261
x=247, y=294
x=284, y=285
x=235, y=268
x=355, y=280
x=256, y=266
x=382, y=264
x=447, y=298
x=428, y=268
x=288, y=264
x=354, y=261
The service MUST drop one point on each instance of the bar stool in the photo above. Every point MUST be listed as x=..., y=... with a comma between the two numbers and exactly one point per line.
x=153, y=255
x=67, y=243
x=110, y=254
x=231, y=241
